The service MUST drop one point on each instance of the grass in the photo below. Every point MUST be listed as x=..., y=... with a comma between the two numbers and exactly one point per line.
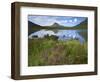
x=46, y=51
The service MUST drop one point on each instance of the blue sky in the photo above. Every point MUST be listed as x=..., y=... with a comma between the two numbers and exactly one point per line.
x=50, y=20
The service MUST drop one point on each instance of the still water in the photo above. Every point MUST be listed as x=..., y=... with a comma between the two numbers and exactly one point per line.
x=80, y=35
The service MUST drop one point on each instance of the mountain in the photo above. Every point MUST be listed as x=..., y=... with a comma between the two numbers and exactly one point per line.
x=55, y=25
x=32, y=27
x=30, y=24
x=82, y=25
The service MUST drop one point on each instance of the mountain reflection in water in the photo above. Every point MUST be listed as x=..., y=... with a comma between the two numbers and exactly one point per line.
x=61, y=34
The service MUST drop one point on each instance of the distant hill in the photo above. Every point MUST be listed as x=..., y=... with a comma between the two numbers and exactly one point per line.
x=30, y=24
x=32, y=27
x=82, y=25
x=56, y=25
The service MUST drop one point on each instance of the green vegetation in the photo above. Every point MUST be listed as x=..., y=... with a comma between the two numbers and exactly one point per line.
x=49, y=51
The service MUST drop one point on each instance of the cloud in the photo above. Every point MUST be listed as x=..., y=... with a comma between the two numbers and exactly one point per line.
x=75, y=20
x=42, y=20
x=50, y=20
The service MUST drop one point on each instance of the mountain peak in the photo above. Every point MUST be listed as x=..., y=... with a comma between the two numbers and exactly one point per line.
x=55, y=24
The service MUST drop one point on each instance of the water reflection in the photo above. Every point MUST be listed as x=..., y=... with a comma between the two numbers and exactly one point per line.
x=63, y=35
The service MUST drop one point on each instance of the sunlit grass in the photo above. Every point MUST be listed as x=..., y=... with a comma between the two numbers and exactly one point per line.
x=53, y=52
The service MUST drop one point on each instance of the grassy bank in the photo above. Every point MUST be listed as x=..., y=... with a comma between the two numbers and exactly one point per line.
x=53, y=52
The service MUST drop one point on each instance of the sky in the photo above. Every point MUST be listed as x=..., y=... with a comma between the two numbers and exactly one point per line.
x=50, y=20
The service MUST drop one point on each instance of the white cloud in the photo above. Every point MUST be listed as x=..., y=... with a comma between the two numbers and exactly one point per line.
x=75, y=20
x=49, y=20
x=70, y=21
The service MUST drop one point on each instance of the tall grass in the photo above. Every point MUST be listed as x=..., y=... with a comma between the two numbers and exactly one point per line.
x=53, y=52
